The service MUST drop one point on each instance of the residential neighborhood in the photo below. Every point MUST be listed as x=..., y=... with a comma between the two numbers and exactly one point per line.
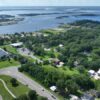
x=49, y=50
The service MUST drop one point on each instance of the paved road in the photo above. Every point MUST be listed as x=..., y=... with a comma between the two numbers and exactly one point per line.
x=13, y=72
x=0, y=97
x=5, y=86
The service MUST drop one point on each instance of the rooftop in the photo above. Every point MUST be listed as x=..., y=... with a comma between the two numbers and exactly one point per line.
x=17, y=44
x=53, y=88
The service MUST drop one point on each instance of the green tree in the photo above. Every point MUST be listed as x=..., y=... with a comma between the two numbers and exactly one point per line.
x=32, y=95
x=14, y=82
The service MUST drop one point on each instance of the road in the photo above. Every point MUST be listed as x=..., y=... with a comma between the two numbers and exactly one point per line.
x=13, y=72
x=0, y=97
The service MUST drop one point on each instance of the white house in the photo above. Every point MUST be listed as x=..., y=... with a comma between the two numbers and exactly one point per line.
x=95, y=75
x=60, y=64
x=91, y=72
x=47, y=49
x=3, y=53
x=61, y=45
x=74, y=97
x=98, y=72
x=53, y=88
x=17, y=44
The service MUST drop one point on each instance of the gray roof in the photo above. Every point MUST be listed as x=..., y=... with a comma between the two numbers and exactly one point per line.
x=87, y=96
x=3, y=53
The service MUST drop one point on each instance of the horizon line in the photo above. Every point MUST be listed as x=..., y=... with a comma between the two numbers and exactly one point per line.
x=47, y=6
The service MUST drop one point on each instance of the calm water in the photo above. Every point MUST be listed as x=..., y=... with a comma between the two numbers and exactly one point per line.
x=48, y=20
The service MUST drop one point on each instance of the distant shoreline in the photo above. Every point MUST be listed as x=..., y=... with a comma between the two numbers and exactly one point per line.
x=79, y=22
x=44, y=17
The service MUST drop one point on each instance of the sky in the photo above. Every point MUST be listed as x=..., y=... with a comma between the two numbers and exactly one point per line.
x=49, y=2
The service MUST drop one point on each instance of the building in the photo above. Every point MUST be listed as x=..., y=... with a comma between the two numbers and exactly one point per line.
x=60, y=64
x=74, y=97
x=95, y=93
x=47, y=49
x=95, y=75
x=98, y=72
x=87, y=96
x=91, y=72
x=53, y=88
x=3, y=53
x=17, y=45
x=61, y=45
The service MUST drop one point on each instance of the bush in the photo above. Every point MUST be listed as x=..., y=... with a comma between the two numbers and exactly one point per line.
x=14, y=82
x=32, y=95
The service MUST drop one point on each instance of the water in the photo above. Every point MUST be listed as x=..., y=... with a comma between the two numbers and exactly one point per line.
x=47, y=19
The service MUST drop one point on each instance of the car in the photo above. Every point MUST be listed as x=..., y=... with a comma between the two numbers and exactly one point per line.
x=53, y=96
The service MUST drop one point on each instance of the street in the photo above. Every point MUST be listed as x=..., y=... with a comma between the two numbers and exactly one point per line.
x=13, y=72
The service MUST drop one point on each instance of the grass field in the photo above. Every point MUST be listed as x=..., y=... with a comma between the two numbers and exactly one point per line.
x=5, y=95
x=6, y=63
x=17, y=91
x=97, y=84
x=64, y=70
x=9, y=49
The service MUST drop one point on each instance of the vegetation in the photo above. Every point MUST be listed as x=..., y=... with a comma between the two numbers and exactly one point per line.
x=14, y=82
x=10, y=49
x=17, y=91
x=32, y=95
x=54, y=77
x=77, y=47
x=8, y=63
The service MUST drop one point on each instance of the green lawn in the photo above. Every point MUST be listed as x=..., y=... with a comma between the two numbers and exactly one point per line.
x=7, y=63
x=97, y=84
x=50, y=31
x=17, y=91
x=4, y=93
x=64, y=70
x=10, y=49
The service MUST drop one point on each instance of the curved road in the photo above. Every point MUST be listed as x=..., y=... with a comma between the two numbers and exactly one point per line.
x=1, y=97
x=13, y=72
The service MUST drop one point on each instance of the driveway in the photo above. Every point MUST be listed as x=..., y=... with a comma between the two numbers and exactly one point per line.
x=13, y=72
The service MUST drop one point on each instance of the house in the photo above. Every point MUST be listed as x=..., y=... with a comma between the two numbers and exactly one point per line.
x=98, y=72
x=73, y=97
x=3, y=53
x=53, y=88
x=17, y=45
x=60, y=64
x=95, y=93
x=95, y=75
x=47, y=49
x=61, y=45
x=91, y=72
x=87, y=96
